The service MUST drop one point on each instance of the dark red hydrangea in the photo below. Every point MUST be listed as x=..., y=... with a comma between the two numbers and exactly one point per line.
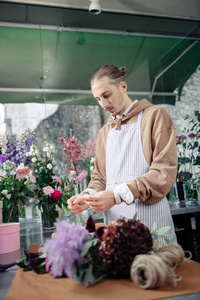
x=124, y=239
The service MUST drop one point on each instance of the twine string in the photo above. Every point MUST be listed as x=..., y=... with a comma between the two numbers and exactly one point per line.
x=154, y=270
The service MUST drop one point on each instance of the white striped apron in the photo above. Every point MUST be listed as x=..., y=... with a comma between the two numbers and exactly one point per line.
x=125, y=161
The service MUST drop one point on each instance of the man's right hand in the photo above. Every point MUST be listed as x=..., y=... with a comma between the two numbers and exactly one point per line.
x=79, y=206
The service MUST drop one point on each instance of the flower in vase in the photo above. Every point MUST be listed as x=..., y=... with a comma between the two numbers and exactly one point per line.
x=81, y=176
x=3, y=158
x=17, y=148
x=48, y=190
x=15, y=188
x=88, y=150
x=46, y=182
x=56, y=194
x=49, y=166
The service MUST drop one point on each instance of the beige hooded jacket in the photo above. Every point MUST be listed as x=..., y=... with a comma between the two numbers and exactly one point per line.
x=159, y=146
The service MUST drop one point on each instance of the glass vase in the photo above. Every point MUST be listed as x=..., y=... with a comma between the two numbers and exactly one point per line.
x=11, y=215
x=49, y=215
x=190, y=192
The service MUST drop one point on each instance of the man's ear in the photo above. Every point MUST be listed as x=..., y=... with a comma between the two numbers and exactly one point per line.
x=123, y=86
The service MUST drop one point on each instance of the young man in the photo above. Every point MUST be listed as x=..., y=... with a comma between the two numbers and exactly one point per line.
x=136, y=157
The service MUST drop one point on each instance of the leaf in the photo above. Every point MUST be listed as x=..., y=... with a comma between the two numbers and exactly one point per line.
x=154, y=226
x=88, y=245
x=26, y=269
x=135, y=216
x=89, y=277
x=43, y=255
x=31, y=187
x=66, y=211
x=166, y=239
x=163, y=230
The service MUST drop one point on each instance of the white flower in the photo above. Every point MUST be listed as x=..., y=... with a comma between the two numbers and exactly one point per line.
x=91, y=168
x=4, y=192
x=3, y=173
x=92, y=160
x=8, y=196
x=21, y=166
x=73, y=172
x=3, y=149
x=46, y=149
x=49, y=166
x=3, y=142
x=34, y=159
x=28, y=154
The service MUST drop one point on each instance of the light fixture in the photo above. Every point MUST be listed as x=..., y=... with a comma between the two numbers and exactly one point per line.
x=95, y=7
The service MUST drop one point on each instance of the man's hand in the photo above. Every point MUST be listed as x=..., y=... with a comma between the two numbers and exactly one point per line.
x=101, y=201
x=77, y=204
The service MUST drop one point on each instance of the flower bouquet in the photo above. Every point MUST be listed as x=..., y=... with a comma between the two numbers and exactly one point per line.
x=16, y=185
x=47, y=194
x=125, y=249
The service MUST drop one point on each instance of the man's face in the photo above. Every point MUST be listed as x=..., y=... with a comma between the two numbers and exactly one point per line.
x=109, y=96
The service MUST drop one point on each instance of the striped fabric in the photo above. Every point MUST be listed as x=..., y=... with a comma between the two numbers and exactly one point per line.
x=125, y=161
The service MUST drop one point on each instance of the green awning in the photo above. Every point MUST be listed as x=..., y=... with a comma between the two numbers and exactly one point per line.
x=54, y=64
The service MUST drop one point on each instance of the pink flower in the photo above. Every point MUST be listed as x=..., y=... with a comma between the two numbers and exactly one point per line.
x=32, y=178
x=70, y=177
x=62, y=139
x=57, y=179
x=21, y=173
x=89, y=150
x=56, y=194
x=48, y=190
x=71, y=149
x=81, y=177
x=67, y=188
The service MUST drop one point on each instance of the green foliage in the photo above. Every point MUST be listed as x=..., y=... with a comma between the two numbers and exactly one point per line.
x=156, y=233
x=91, y=270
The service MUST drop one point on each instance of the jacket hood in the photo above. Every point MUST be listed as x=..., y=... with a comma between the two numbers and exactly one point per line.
x=135, y=109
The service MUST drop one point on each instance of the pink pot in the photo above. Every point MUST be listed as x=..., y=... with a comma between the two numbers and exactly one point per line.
x=9, y=237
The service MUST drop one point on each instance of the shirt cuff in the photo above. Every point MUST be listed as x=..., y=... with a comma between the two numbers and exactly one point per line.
x=125, y=193
x=89, y=191
x=117, y=197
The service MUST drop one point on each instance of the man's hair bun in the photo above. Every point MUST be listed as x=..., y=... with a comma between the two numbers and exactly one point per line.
x=123, y=71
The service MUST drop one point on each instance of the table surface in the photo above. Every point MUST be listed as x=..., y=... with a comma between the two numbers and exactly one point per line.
x=182, y=207
x=32, y=234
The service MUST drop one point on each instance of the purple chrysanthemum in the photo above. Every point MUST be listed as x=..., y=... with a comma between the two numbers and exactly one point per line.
x=3, y=158
x=65, y=248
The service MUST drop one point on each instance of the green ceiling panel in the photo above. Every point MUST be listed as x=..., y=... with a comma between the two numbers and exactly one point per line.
x=55, y=62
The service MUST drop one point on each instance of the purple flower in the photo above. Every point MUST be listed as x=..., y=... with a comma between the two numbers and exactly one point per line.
x=181, y=137
x=3, y=158
x=192, y=135
x=65, y=248
x=17, y=148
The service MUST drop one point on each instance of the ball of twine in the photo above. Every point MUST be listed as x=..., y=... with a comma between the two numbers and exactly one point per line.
x=172, y=254
x=157, y=269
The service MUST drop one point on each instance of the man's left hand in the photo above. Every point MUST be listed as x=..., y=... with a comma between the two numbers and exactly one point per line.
x=101, y=201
